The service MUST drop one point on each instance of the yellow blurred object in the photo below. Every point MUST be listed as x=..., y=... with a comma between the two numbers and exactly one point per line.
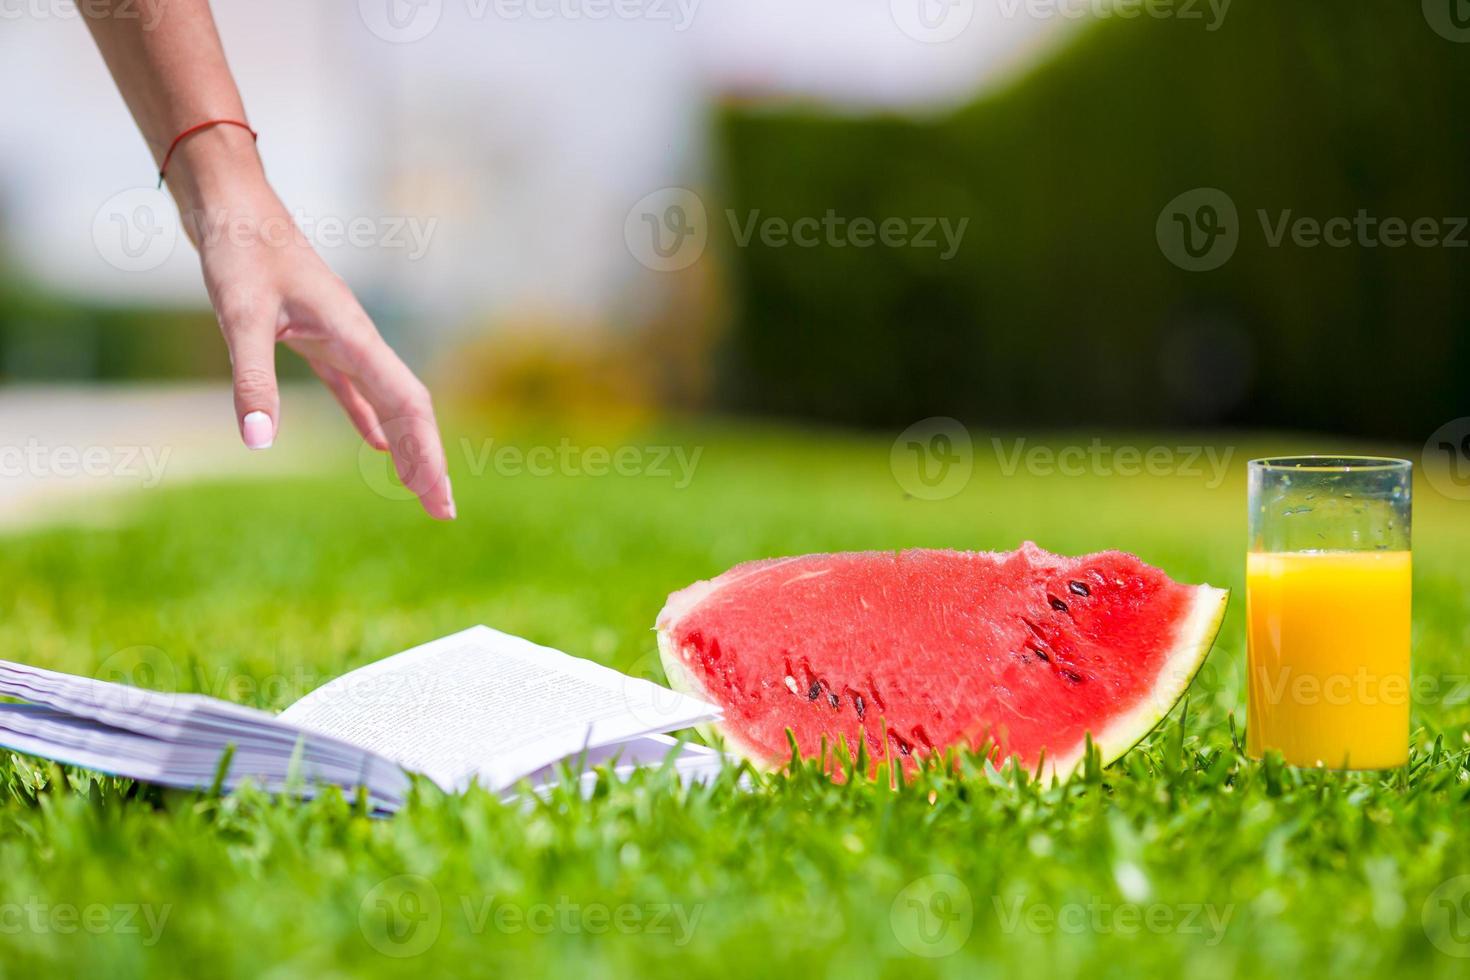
x=546, y=368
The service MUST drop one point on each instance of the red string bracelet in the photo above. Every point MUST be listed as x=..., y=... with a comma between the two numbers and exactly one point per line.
x=162, y=170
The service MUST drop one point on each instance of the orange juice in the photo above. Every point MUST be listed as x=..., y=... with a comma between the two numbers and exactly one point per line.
x=1328, y=636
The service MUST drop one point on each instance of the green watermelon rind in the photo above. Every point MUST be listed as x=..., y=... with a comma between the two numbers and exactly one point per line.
x=682, y=679
x=1196, y=636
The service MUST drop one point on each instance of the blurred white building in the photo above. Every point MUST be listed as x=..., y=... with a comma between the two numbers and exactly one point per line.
x=515, y=133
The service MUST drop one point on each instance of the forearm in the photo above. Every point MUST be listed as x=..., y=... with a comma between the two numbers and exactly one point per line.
x=171, y=69
x=265, y=286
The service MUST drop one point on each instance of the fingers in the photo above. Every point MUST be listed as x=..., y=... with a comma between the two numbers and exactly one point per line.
x=404, y=415
x=418, y=458
x=403, y=405
x=249, y=327
x=363, y=418
x=378, y=391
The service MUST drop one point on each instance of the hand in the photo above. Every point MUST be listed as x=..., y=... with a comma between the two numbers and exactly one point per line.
x=268, y=286
x=266, y=282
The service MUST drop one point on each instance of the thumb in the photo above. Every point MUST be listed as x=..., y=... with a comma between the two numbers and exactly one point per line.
x=251, y=337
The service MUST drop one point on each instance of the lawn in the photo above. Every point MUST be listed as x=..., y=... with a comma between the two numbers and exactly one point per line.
x=1183, y=856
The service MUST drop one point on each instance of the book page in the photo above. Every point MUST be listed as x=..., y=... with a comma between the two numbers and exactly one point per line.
x=648, y=750
x=692, y=762
x=193, y=764
x=180, y=719
x=485, y=705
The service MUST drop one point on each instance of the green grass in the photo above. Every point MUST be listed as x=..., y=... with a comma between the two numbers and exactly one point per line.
x=1184, y=856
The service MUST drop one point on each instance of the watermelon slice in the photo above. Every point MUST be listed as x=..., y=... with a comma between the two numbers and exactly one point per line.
x=933, y=649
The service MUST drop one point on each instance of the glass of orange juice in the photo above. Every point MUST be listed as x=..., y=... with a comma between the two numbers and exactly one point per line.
x=1327, y=591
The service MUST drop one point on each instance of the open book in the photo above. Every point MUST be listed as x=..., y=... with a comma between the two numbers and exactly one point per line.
x=479, y=705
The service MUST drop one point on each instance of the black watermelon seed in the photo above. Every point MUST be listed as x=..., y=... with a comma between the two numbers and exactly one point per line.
x=1072, y=676
x=815, y=691
x=1079, y=588
x=857, y=702
x=873, y=693
x=1042, y=654
x=1056, y=603
x=834, y=700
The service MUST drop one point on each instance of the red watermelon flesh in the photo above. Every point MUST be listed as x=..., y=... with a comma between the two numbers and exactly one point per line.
x=938, y=649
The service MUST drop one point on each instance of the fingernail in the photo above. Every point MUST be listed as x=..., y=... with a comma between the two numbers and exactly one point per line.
x=453, y=514
x=258, y=431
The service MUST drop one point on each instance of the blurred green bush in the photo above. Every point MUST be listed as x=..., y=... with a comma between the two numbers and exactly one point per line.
x=1060, y=306
x=48, y=337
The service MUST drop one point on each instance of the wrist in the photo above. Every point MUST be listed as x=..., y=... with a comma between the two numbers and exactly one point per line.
x=214, y=167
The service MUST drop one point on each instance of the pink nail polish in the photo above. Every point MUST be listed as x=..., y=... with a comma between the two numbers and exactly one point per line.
x=257, y=430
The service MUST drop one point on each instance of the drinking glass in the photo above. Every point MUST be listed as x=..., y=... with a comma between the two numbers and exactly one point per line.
x=1327, y=595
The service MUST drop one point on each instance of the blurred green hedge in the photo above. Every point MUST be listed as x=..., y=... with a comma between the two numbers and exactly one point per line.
x=48, y=338
x=1060, y=306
